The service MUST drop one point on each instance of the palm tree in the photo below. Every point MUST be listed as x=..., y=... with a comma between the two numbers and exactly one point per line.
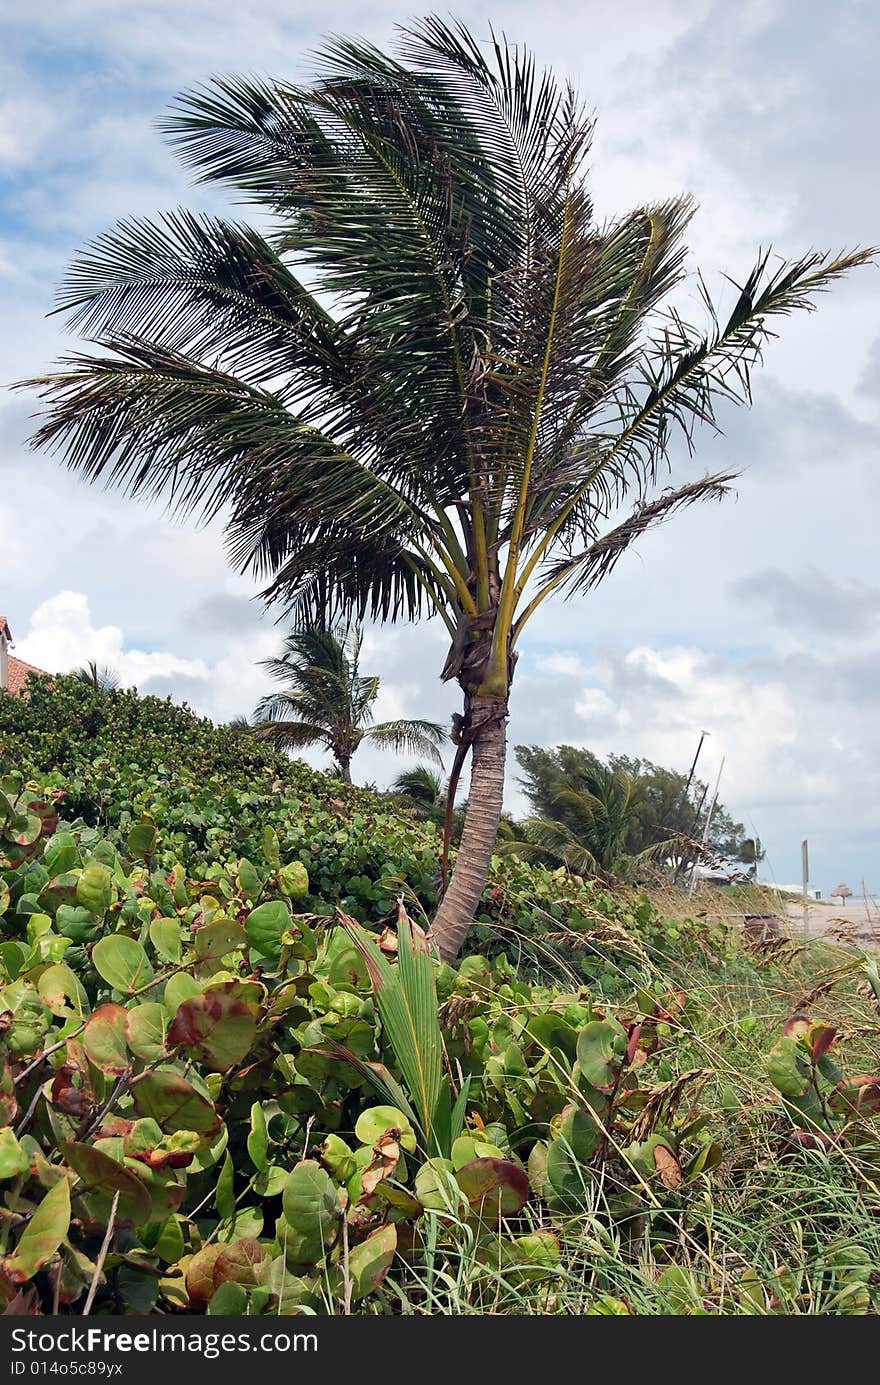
x=103, y=679
x=421, y=788
x=240, y=725
x=326, y=701
x=432, y=385
x=588, y=831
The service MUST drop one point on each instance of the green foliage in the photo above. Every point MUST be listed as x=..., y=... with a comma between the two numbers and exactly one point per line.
x=623, y=807
x=828, y=1109
x=167, y=1071
x=173, y=790
x=283, y=1111
x=325, y=700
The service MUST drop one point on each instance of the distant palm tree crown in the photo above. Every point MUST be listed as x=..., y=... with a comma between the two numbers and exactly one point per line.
x=102, y=679
x=325, y=700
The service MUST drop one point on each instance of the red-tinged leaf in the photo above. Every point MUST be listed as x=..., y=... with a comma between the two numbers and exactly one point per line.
x=810, y=1139
x=41, y=1237
x=104, y=1039
x=73, y=1101
x=216, y=1027
x=100, y=1178
x=496, y=1186
x=795, y=1027
x=822, y=1037
x=48, y=815
x=200, y=1275
x=174, y=1103
x=633, y=1042
x=859, y=1095
x=116, y=1126
x=145, y=1142
x=240, y=1262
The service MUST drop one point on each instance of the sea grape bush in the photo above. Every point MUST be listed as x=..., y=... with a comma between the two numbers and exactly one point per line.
x=190, y=1060
x=113, y=759
x=198, y=1050
x=199, y=1063
x=827, y=1109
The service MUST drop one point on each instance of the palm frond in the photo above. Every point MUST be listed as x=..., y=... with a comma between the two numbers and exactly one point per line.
x=241, y=725
x=291, y=735
x=581, y=571
x=410, y=737
x=420, y=784
x=435, y=379
x=547, y=836
x=205, y=288
x=407, y=1001
x=684, y=372
x=103, y=678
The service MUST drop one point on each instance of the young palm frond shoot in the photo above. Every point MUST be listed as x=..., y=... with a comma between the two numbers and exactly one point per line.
x=437, y=382
x=406, y=997
x=325, y=700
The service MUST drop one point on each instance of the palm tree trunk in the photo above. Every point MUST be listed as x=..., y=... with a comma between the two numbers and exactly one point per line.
x=480, y=832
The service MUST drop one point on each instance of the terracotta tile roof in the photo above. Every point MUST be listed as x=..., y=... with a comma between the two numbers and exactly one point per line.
x=18, y=672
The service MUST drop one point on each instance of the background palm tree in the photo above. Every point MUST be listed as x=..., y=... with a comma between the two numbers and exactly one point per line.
x=240, y=725
x=102, y=679
x=434, y=382
x=325, y=700
x=588, y=831
x=421, y=788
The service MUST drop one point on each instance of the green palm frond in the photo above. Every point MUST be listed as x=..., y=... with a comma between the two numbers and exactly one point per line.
x=545, y=836
x=407, y=1001
x=420, y=784
x=587, y=826
x=410, y=737
x=202, y=287
x=241, y=725
x=291, y=735
x=103, y=678
x=325, y=699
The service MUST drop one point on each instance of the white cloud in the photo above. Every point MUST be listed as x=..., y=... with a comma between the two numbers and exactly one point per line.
x=61, y=637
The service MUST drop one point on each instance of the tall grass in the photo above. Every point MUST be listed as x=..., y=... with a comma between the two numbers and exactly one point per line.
x=768, y=1234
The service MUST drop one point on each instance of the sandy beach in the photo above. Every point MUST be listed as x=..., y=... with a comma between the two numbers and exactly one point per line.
x=857, y=920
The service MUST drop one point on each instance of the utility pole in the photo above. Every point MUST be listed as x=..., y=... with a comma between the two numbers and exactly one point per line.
x=678, y=811
x=709, y=817
x=696, y=817
x=805, y=872
x=703, y=735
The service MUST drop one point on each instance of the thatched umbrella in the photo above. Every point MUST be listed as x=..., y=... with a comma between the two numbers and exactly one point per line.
x=843, y=892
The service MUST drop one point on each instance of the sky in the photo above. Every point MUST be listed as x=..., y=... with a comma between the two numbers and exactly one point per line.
x=757, y=620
